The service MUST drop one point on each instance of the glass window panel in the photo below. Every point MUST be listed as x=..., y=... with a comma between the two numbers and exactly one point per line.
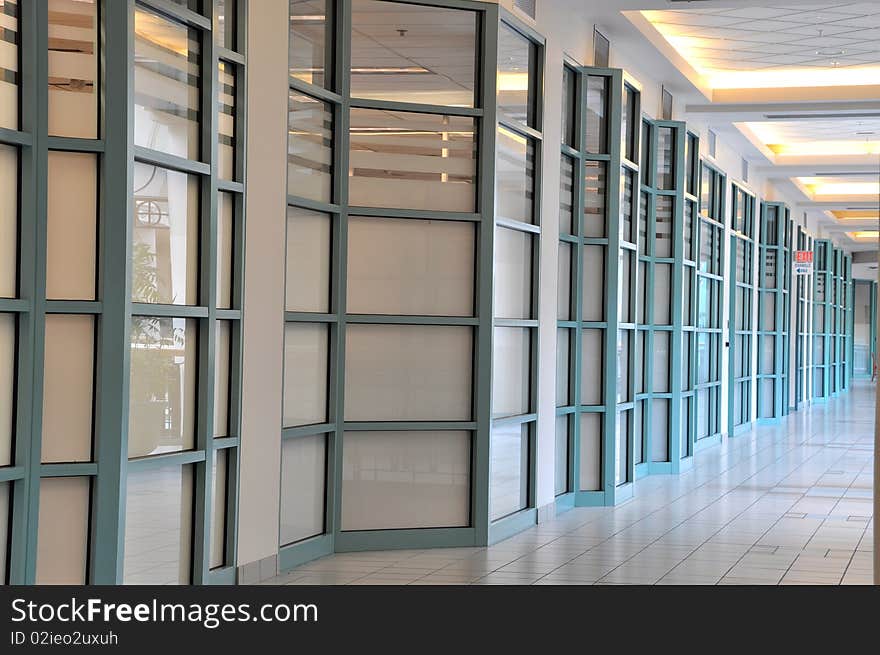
x=511, y=371
x=686, y=341
x=9, y=74
x=641, y=295
x=71, y=231
x=309, y=147
x=413, y=161
x=219, y=491
x=689, y=226
x=5, y=489
x=623, y=366
x=593, y=283
x=7, y=386
x=768, y=395
x=308, y=261
x=408, y=372
x=303, y=487
x=567, y=200
x=590, y=456
x=639, y=432
x=592, y=366
x=516, y=84
x=166, y=85
x=398, y=480
x=8, y=211
x=569, y=106
x=225, y=249
x=306, y=360
x=165, y=255
x=226, y=13
x=665, y=158
x=621, y=450
x=597, y=109
x=627, y=206
x=563, y=364
x=561, y=456
x=645, y=165
x=563, y=289
x=68, y=381
x=663, y=226
x=768, y=355
x=73, y=67
x=309, y=58
x=413, y=53
x=594, y=199
x=687, y=296
x=162, y=387
x=644, y=199
x=661, y=353
x=641, y=373
x=513, y=273
x=63, y=532
x=158, y=526
x=628, y=123
x=768, y=311
x=508, y=470
x=659, y=430
x=625, y=292
x=222, y=365
x=226, y=127
x=703, y=358
x=662, y=294
x=407, y=266
x=515, y=177
x=769, y=280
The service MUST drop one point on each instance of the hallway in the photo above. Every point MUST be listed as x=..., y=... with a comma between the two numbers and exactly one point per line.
x=782, y=504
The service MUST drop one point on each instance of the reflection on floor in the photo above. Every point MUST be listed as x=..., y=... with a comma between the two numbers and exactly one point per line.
x=783, y=504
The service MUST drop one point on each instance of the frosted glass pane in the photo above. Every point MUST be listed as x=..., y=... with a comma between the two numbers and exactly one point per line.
x=590, y=460
x=686, y=341
x=408, y=373
x=440, y=48
x=9, y=69
x=594, y=199
x=768, y=355
x=226, y=12
x=63, y=533
x=661, y=352
x=767, y=391
x=303, y=487
x=509, y=470
x=218, y=508
x=516, y=83
x=7, y=386
x=593, y=284
x=397, y=480
x=306, y=357
x=623, y=366
x=5, y=488
x=412, y=267
x=222, y=362
x=158, y=526
x=662, y=294
x=596, y=114
x=308, y=261
x=563, y=354
x=165, y=254
x=567, y=201
x=166, y=85
x=226, y=127
x=641, y=296
x=309, y=147
x=515, y=177
x=659, y=430
x=563, y=277
x=8, y=212
x=73, y=63
x=768, y=312
x=68, y=377
x=561, y=455
x=626, y=292
x=511, y=371
x=513, y=273
x=412, y=161
x=162, y=388
x=663, y=227
x=71, y=235
x=642, y=369
x=621, y=449
x=225, y=243
x=640, y=433
x=702, y=413
x=592, y=366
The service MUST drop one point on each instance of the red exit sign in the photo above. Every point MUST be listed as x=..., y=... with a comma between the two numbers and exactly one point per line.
x=803, y=256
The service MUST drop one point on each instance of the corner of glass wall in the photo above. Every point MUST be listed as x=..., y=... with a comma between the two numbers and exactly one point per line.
x=517, y=232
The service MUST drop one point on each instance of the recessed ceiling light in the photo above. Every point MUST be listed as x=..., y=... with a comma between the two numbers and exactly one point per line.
x=830, y=53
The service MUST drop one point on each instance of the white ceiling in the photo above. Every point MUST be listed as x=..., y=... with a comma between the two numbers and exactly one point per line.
x=765, y=38
x=810, y=130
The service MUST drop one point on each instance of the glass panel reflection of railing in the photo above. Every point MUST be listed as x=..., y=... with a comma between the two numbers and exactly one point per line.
x=9, y=74
x=73, y=68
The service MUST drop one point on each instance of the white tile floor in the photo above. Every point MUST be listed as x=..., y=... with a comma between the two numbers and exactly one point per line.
x=783, y=504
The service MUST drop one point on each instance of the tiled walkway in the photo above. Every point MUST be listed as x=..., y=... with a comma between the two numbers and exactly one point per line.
x=784, y=504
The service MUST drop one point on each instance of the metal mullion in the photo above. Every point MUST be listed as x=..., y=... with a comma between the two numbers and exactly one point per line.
x=229, y=186
x=517, y=419
x=180, y=12
x=414, y=107
x=13, y=474
x=230, y=55
x=518, y=226
x=70, y=144
x=67, y=469
x=516, y=323
x=307, y=430
x=520, y=129
x=15, y=305
x=306, y=317
x=181, y=458
x=228, y=314
x=73, y=307
x=15, y=137
x=314, y=205
x=225, y=443
x=204, y=474
x=415, y=214
x=172, y=162
x=169, y=311
x=112, y=378
x=378, y=319
x=408, y=426
x=319, y=92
